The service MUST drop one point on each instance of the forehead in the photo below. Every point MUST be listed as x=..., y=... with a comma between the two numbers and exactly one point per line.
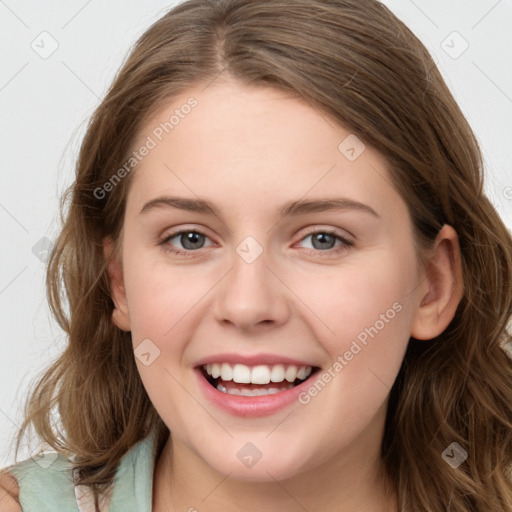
x=237, y=141
x=231, y=120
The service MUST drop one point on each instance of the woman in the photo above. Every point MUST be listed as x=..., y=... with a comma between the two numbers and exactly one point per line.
x=220, y=355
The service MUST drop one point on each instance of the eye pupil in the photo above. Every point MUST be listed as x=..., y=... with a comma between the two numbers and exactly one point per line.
x=191, y=237
x=323, y=238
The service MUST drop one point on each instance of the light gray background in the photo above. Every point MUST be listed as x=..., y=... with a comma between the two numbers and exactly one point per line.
x=45, y=103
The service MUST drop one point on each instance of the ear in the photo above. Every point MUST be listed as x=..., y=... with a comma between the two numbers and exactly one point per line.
x=120, y=315
x=444, y=287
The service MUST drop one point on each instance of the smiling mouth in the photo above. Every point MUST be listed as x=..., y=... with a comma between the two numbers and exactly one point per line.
x=239, y=379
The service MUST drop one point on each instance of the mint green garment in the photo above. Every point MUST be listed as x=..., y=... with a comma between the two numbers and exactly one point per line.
x=46, y=487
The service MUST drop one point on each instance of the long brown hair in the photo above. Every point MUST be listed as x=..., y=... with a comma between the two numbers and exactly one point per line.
x=354, y=61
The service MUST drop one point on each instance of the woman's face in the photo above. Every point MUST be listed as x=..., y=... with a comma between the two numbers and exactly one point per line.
x=254, y=294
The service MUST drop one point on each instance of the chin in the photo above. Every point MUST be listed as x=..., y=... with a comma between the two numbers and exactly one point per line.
x=249, y=464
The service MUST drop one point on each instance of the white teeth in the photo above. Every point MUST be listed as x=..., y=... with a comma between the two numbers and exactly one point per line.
x=241, y=373
x=226, y=372
x=304, y=371
x=291, y=373
x=220, y=387
x=215, y=370
x=277, y=373
x=261, y=374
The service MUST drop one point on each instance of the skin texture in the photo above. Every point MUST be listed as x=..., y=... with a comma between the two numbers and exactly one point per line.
x=9, y=491
x=249, y=151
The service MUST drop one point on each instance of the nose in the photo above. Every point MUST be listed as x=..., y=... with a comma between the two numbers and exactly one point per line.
x=252, y=295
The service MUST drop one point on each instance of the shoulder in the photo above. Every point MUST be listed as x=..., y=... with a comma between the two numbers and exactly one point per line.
x=9, y=491
x=38, y=479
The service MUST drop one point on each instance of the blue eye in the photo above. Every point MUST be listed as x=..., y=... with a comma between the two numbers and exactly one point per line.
x=323, y=242
x=189, y=239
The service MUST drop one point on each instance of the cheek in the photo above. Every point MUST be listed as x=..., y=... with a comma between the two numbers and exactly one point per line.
x=355, y=295
x=366, y=314
x=161, y=296
x=162, y=301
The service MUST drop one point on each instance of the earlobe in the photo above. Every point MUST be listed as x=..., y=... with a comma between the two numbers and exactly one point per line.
x=120, y=315
x=443, y=276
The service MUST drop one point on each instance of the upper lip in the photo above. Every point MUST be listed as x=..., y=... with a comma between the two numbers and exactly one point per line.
x=252, y=359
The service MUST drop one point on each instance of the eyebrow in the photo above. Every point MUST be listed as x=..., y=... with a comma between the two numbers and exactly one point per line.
x=290, y=208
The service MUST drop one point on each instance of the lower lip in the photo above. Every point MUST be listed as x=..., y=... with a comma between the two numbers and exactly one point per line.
x=250, y=406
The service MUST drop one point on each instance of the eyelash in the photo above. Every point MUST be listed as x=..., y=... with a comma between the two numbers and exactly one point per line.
x=345, y=244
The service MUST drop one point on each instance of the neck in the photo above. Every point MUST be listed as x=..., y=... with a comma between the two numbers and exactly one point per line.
x=347, y=482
